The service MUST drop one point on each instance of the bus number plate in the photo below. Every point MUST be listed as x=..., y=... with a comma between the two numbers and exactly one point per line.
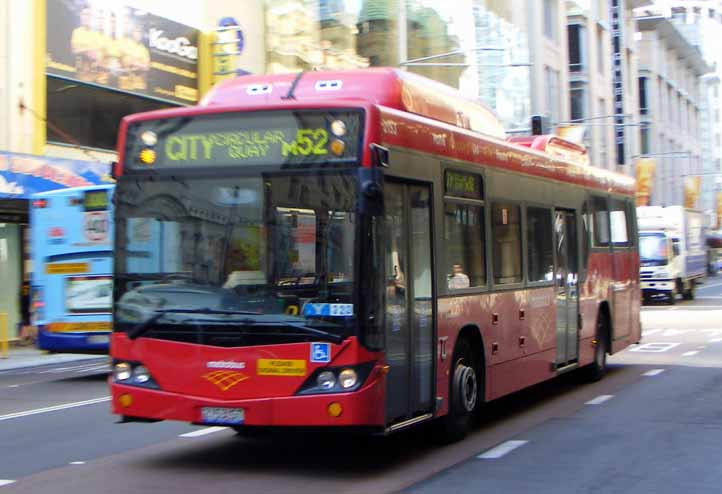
x=216, y=415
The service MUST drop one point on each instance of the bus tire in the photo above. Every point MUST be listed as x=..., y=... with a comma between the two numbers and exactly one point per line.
x=598, y=368
x=465, y=392
x=689, y=293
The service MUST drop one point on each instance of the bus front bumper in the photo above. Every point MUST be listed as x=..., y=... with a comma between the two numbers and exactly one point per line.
x=90, y=342
x=363, y=408
x=657, y=287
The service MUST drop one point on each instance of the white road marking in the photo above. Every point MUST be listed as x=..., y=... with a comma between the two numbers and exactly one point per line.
x=501, y=450
x=14, y=386
x=715, y=340
x=6, y=482
x=203, y=432
x=650, y=332
x=702, y=287
x=599, y=400
x=653, y=372
x=656, y=347
x=54, y=408
x=77, y=463
x=689, y=354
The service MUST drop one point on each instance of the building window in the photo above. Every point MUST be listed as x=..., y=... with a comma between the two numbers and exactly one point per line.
x=644, y=139
x=551, y=19
x=601, y=52
x=643, y=104
x=551, y=79
x=578, y=99
x=577, y=45
x=539, y=235
x=89, y=116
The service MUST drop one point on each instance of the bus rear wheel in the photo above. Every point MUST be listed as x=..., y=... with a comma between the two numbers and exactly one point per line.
x=465, y=393
x=598, y=368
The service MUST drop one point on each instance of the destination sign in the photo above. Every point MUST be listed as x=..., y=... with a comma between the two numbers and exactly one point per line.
x=242, y=139
x=463, y=185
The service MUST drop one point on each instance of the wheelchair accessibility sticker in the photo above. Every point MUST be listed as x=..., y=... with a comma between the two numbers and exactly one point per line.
x=320, y=353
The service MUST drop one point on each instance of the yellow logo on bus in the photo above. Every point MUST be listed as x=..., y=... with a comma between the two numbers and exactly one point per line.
x=277, y=367
x=225, y=379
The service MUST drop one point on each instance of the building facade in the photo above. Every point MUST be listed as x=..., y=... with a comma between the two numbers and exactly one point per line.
x=700, y=21
x=670, y=100
x=592, y=66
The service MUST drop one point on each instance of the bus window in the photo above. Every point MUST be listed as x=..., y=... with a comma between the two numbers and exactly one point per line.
x=618, y=223
x=506, y=233
x=600, y=225
x=464, y=240
x=541, y=245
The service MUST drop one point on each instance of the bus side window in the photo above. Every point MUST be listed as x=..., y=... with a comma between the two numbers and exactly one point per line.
x=600, y=223
x=586, y=238
x=506, y=234
x=619, y=226
x=541, y=245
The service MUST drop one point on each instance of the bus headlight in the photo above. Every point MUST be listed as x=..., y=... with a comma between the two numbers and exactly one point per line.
x=326, y=380
x=348, y=378
x=122, y=371
x=141, y=374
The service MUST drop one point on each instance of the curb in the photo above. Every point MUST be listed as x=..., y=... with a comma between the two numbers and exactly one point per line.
x=26, y=362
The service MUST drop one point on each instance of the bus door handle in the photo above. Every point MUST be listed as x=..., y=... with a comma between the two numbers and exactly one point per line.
x=495, y=318
x=522, y=313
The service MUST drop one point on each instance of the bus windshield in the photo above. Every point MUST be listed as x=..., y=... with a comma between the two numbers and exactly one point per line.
x=653, y=248
x=275, y=249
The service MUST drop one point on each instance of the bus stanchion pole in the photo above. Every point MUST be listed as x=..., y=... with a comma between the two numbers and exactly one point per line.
x=3, y=335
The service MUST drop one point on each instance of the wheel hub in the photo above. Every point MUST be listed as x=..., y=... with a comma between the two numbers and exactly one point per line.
x=468, y=389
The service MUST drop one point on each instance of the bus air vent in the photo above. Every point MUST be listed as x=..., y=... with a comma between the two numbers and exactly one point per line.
x=254, y=89
x=329, y=85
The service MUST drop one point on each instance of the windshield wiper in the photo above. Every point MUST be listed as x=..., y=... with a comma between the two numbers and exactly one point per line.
x=142, y=327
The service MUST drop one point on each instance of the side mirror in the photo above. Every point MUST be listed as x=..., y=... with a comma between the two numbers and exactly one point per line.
x=675, y=249
x=379, y=156
x=114, y=170
x=370, y=197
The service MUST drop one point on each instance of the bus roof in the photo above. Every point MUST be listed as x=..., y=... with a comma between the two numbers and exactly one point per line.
x=71, y=190
x=384, y=86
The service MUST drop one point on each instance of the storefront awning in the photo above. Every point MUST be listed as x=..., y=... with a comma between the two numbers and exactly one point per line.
x=22, y=175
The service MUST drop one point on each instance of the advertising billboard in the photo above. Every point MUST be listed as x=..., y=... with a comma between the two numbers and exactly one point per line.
x=122, y=48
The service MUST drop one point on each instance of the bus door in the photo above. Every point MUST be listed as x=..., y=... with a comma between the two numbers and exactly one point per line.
x=409, y=308
x=566, y=276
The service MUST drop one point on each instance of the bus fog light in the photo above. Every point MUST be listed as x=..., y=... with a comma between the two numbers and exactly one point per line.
x=141, y=374
x=326, y=380
x=122, y=371
x=348, y=378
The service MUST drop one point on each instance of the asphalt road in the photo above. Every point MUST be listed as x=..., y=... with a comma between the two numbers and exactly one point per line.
x=652, y=425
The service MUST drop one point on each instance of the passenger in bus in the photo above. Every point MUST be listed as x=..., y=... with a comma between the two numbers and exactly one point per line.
x=457, y=278
x=396, y=286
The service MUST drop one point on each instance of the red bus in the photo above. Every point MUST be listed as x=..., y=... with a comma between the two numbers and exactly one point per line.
x=357, y=249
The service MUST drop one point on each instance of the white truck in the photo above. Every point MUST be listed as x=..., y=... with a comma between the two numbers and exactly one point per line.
x=672, y=253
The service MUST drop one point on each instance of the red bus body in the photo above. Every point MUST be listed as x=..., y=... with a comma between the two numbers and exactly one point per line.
x=517, y=326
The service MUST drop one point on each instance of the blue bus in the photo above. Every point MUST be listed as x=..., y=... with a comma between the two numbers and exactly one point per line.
x=72, y=266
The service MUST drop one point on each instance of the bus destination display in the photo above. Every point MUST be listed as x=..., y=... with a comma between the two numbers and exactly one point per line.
x=237, y=139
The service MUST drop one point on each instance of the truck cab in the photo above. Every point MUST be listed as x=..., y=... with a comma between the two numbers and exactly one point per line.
x=659, y=262
x=672, y=254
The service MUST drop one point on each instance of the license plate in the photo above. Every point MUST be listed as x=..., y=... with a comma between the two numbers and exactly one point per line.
x=99, y=338
x=216, y=415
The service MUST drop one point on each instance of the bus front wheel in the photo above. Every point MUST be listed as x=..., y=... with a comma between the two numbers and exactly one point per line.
x=465, y=392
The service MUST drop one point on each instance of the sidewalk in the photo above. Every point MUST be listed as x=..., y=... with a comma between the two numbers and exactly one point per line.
x=20, y=357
